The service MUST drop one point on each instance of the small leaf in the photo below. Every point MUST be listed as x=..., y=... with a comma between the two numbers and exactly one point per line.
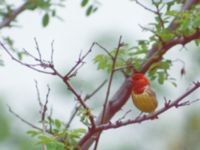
x=53, y=13
x=43, y=139
x=89, y=10
x=55, y=146
x=84, y=3
x=57, y=123
x=161, y=77
x=174, y=84
x=45, y=20
x=33, y=133
x=183, y=72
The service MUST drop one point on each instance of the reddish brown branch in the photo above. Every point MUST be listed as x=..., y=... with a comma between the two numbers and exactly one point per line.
x=157, y=56
x=78, y=63
x=139, y=119
x=176, y=103
x=44, y=64
x=114, y=59
x=88, y=96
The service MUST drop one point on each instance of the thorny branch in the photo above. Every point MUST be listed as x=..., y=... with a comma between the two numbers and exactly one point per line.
x=168, y=104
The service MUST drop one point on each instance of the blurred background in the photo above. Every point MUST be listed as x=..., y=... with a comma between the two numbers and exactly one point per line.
x=177, y=129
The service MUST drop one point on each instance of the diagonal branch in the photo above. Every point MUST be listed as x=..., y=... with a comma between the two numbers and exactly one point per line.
x=76, y=108
x=11, y=17
x=114, y=59
x=176, y=103
x=23, y=120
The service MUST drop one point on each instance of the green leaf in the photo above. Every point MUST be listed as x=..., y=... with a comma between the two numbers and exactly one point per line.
x=81, y=130
x=84, y=3
x=171, y=13
x=174, y=84
x=45, y=20
x=55, y=146
x=43, y=139
x=161, y=77
x=89, y=10
x=33, y=133
x=57, y=123
x=53, y=13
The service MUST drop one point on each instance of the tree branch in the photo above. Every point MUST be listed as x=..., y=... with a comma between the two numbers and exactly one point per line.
x=168, y=104
x=9, y=18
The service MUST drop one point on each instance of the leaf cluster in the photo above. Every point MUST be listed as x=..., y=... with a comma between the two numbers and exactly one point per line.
x=56, y=136
x=186, y=23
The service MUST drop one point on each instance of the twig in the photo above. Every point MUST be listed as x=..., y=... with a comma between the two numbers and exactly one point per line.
x=80, y=60
x=52, y=52
x=81, y=101
x=124, y=116
x=106, y=51
x=46, y=64
x=111, y=78
x=109, y=88
x=38, y=94
x=38, y=49
x=31, y=66
x=145, y=7
x=23, y=120
x=45, y=105
x=88, y=96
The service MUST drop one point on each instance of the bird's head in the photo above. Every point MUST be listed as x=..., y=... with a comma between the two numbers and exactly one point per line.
x=139, y=82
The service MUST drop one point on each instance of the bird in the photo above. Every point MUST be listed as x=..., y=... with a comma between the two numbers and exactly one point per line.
x=143, y=97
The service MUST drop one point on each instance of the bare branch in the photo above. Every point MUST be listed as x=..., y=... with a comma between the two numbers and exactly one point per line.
x=120, y=44
x=23, y=120
x=106, y=51
x=38, y=94
x=145, y=7
x=88, y=96
x=111, y=78
x=124, y=116
x=38, y=49
x=52, y=52
x=80, y=60
x=31, y=66
x=44, y=108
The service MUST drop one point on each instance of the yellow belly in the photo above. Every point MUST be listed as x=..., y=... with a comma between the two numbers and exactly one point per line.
x=146, y=102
